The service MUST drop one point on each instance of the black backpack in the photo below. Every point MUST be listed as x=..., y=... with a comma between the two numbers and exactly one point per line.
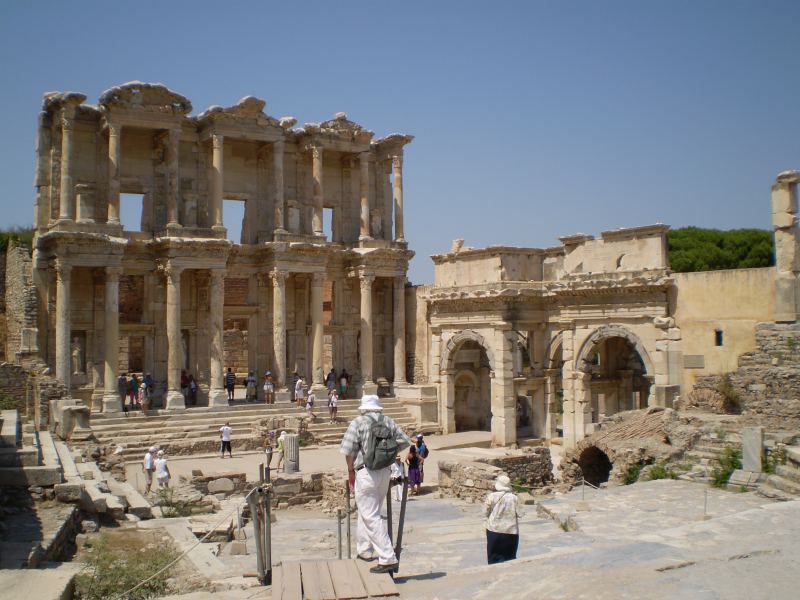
x=381, y=447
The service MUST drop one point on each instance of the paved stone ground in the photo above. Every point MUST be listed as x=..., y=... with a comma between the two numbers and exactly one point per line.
x=648, y=540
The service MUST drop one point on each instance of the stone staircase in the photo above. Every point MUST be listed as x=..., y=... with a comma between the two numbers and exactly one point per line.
x=785, y=483
x=705, y=453
x=197, y=429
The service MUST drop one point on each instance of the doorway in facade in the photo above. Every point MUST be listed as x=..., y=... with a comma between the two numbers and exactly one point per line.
x=619, y=379
x=472, y=387
x=235, y=351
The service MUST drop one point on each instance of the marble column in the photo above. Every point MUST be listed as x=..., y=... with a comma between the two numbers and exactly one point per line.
x=316, y=221
x=317, y=331
x=787, y=247
x=279, y=327
x=217, y=179
x=364, y=233
x=366, y=328
x=399, y=318
x=63, y=325
x=217, y=396
x=114, y=141
x=397, y=172
x=175, y=400
x=111, y=398
x=280, y=208
x=66, y=206
x=173, y=178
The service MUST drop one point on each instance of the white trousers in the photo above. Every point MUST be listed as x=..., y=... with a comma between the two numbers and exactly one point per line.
x=372, y=536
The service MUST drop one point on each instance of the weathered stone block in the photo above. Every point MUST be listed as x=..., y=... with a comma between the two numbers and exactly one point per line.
x=221, y=485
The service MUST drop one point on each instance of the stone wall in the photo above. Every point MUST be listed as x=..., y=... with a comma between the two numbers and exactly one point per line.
x=417, y=334
x=533, y=468
x=298, y=488
x=19, y=299
x=43, y=388
x=14, y=384
x=469, y=481
x=768, y=380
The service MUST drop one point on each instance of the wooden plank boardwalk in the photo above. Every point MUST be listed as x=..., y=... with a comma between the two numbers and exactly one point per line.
x=329, y=580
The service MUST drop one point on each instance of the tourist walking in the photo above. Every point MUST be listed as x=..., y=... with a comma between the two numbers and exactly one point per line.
x=368, y=472
x=310, y=404
x=225, y=440
x=333, y=404
x=144, y=396
x=133, y=390
x=162, y=470
x=299, y=391
x=250, y=386
x=230, y=383
x=269, y=389
x=422, y=451
x=149, y=467
x=281, y=450
x=396, y=477
x=185, y=386
x=122, y=390
x=149, y=388
x=414, y=462
x=344, y=381
x=502, y=513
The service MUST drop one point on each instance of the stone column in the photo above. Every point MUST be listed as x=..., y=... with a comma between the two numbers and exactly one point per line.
x=63, y=325
x=279, y=327
x=173, y=178
x=316, y=221
x=399, y=319
x=364, y=163
x=66, y=206
x=551, y=403
x=217, y=396
x=787, y=247
x=280, y=208
x=175, y=400
x=114, y=141
x=397, y=172
x=291, y=454
x=317, y=331
x=111, y=398
x=366, y=329
x=217, y=179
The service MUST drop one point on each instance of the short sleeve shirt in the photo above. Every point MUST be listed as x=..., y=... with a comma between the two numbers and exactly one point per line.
x=226, y=433
x=356, y=438
x=148, y=462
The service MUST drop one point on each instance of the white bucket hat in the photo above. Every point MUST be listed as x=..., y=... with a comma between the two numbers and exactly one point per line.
x=161, y=453
x=370, y=402
x=152, y=449
x=503, y=484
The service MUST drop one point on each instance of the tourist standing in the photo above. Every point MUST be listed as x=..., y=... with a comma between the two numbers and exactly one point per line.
x=230, y=383
x=250, y=384
x=398, y=473
x=122, y=389
x=185, y=386
x=333, y=404
x=330, y=380
x=422, y=451
x=281, y=450
x=414, y=462
x=310, y=405
x=162, y=470
x=149, y=467
x=371, y=485
x=192, y=390
x=133, y=390
x=269, y=389
x=144, y=396
x=299, y=391
x=502, y=513
x=225, y=440
x=344, y=381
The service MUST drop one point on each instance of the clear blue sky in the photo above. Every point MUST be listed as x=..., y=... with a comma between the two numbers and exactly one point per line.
x=533, y=120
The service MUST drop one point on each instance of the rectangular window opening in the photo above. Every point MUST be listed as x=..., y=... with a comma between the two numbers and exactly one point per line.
x=327, y=223
x=131, y=211
x=718, y=337
x=233, y=219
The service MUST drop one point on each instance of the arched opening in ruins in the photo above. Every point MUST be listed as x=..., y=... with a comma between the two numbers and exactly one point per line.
x=595, y=465
x=472, y=386
x=620, y=372
x=234, y=219
x=554, y=392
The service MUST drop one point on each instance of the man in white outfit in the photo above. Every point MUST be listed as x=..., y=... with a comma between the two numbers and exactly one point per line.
x=149, y=466
x=372, y=535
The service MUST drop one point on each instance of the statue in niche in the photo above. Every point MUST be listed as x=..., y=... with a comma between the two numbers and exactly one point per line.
x=77, y=356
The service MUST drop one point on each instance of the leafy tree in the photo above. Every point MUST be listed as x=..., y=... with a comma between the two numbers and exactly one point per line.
x=697, y=249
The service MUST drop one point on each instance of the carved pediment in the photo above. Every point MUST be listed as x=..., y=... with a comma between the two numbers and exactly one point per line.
x=56, y=100
x=340, y=126
x=248, y=108
x=150, y=97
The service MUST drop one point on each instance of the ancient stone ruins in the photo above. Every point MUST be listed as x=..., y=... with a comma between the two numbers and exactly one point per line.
x=594, y=346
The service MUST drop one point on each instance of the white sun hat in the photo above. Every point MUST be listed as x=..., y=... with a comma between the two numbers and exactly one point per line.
x=503, y=484
x=370, y=402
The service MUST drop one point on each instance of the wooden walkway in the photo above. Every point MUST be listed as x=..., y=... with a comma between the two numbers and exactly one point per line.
x=330, y=580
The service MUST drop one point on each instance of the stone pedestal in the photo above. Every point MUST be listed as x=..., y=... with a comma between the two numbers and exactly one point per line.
x=752, y=448
x=291, y=454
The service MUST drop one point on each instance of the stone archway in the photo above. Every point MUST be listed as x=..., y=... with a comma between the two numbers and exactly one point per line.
x=606, y=332
x=457, y=340
x=595, y=465
x=466, y=388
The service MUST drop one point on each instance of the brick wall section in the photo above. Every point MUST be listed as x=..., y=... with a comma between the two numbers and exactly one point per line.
x=534, y=468
x=14, y=384
x=236, y=291
x=768, y=380
x=131, y=298
x=19, y=298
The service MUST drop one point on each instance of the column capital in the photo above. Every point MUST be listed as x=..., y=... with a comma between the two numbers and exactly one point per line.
x=366, y=281
x=278, y=277
x=68, y=119
x=278, y=145
x=170, y=269
x=217, y=141
x=113, y=273
x=318, y=278
x=217, y=274
x=114, y=128
x=365, y=156
x=397, y=162
x=63, y=270
x=316, y=151
x=401, y=281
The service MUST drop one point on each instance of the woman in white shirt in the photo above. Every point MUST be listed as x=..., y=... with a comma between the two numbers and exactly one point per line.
x=502, y=522
x=162, y=470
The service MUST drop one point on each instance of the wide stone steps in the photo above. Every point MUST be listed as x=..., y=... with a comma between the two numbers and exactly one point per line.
x=785, y=483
